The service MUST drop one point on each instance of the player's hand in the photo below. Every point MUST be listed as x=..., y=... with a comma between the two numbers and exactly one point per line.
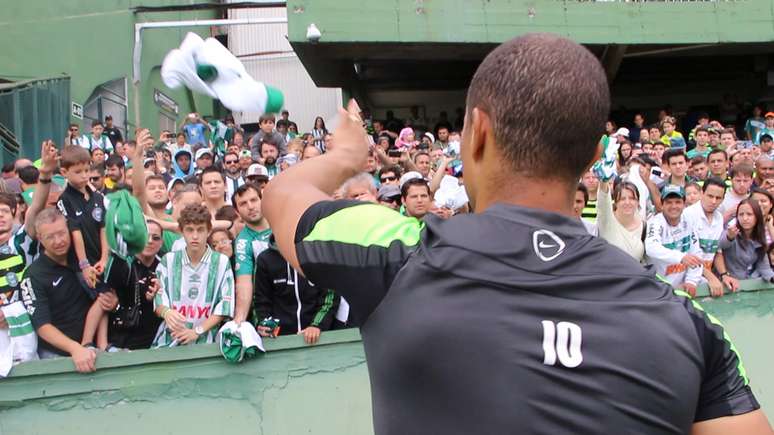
x=49, y=157
x=185, y=336
x=175, y=321
x=263, y=331
x=716, y=287
x=3, y=322
x=84, y=359
x=349, y=138
x=691, y=260
x=144, y=142
x=690, y=288
x=311, y=334
x=108, y=301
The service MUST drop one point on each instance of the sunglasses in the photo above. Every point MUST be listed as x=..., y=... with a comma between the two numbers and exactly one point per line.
x=94, y=179
x=155, y=237
x=388, y=178
x=231, y=162
x=390, y=199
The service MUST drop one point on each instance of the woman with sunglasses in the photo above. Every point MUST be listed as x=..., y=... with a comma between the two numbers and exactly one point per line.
x=618, y=218
x=133, y=324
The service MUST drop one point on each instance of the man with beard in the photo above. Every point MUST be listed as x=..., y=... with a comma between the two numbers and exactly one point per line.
x=233, y=174
x=269, y=155
x=114, y=173
x=251, y=241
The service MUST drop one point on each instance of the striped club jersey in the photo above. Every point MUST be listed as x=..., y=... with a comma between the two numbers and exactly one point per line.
x=22, y=244
x=196, y=292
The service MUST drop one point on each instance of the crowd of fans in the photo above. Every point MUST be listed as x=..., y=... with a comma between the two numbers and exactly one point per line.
x=697, y=206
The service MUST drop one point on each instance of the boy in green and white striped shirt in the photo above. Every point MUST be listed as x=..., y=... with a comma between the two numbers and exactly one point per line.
x=196, y=285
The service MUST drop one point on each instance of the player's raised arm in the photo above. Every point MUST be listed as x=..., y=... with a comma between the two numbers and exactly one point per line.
x=293, y=191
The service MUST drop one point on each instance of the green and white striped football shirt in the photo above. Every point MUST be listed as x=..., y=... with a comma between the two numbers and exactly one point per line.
x=195, y=292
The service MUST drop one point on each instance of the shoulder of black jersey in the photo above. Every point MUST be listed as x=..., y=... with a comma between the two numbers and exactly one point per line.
x=318, y=211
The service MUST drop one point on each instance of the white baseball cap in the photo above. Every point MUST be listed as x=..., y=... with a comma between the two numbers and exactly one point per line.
x=257, y=169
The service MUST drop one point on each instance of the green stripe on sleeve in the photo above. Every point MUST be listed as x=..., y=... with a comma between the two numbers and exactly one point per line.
x=367, y=225
x=714, y=320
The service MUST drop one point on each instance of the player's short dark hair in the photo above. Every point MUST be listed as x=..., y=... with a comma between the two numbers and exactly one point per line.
x=698, y=160
x=115, y=160
x=673, y=152
x=713, y=181
x=95, y=123
x=28, y=174
x=282, y=123
x=241, y=191
x=702, y=128
x=194, y=214
x=522, y=81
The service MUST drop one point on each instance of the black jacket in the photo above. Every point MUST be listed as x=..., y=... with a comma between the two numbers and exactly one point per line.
x=281, y=292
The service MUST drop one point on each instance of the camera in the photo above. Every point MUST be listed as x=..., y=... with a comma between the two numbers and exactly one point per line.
x=313, y=34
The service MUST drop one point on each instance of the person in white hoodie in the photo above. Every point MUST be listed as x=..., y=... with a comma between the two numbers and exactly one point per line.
x=671, y=245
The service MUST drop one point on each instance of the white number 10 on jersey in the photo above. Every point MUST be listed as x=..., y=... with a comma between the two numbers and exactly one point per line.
x=562, y=340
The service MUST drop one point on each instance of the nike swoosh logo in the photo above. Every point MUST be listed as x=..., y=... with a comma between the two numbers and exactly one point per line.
x=56, y=283
x=543, y=245
x=78, y=213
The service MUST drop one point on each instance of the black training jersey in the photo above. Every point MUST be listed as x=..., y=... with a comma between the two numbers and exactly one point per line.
x=86, y=216
x=516, y=320
x=54, y=295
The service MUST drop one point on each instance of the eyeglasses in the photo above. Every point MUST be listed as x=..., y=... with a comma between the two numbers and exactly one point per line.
x=155, y=237
x=230, y=162
x=94, y=179
x=388, y=179
x=224, y=242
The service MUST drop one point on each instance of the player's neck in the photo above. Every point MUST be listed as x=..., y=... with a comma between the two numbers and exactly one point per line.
x=549, y=195
x=214, y=204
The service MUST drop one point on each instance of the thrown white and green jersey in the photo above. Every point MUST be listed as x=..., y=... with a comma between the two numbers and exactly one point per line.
x=247, y=246
x=22, y=244
x=195, y=292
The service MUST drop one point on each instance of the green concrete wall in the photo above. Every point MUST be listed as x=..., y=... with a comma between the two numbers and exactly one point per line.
x=92, y=42
x=494, y=21
x=292, y=389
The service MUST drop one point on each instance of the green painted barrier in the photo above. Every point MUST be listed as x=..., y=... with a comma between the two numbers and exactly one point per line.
x=292, y=389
